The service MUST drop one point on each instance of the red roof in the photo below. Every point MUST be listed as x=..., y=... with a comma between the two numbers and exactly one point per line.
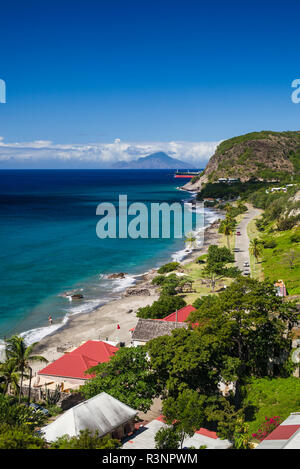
x=182, y=314
x=207, y=433
x=75, y=363
x=201, y=431
x=283, y=432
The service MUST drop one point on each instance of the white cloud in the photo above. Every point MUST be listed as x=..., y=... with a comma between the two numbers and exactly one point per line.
x=42, y=152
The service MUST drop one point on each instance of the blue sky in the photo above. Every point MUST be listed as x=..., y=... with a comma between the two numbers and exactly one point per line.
x=80, y=73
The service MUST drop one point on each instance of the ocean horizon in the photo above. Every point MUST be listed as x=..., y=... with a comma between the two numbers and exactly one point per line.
x=49, y=242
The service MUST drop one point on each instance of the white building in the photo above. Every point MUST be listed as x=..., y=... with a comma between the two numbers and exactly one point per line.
x=102, y=413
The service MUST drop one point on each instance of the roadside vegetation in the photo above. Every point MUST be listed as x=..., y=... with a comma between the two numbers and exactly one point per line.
x=278, y=233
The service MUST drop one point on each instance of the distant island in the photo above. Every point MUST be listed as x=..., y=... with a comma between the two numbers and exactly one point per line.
x=159, y=160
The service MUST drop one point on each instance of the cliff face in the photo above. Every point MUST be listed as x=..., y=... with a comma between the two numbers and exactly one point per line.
x=263, y=155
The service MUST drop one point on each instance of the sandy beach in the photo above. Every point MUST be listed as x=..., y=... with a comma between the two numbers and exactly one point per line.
x=102, y=323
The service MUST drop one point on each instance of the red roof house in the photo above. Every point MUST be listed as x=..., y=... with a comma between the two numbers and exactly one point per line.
x=285, y=436
x=73, y=365
x=181, y=315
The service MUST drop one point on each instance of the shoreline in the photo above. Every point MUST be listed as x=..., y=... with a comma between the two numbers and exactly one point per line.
x=102, y=322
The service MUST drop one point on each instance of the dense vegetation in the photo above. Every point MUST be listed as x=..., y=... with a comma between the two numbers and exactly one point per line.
x=264, y=134
x=128, y=376
x=279, y=235
x=271, y=397
x=230, y=191
x=166, y=304
x=240, y=333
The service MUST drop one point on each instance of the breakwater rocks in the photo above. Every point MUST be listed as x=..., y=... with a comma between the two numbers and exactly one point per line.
x=137, y=291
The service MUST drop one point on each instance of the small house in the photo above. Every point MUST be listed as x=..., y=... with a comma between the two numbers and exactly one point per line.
x=102, y=414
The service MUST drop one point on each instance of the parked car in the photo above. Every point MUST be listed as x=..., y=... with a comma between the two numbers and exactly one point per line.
x=246, y=264
x=246, y=272
x=236, y=250
x=238, y=233
x=36, y=407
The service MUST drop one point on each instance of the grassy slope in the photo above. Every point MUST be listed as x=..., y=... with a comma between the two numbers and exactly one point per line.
x=275, y=265
x=193, y=270
x=271, y=398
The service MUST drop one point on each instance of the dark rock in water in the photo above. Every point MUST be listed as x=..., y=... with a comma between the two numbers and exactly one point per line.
x=119, y=275
x=77, y=296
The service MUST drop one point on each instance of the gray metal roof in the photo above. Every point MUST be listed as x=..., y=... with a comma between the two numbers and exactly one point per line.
x=102, y=413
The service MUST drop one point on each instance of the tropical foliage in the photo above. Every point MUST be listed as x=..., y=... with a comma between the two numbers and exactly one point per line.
x=128, y=376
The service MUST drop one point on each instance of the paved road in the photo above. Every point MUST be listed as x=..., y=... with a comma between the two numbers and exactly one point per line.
x=242, y=242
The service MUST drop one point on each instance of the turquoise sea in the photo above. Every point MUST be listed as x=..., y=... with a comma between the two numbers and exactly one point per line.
x=49, y=243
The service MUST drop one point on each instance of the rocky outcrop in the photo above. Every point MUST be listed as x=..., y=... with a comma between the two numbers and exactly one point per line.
x=119, y=275
x=136, y=291
x=296, y=205
x=261, y=155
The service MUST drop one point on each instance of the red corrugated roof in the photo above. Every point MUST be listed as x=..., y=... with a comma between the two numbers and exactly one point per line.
x=182, y=314
x=283, y=432
x=201, y=431
x=208, y=433
x=75, y=363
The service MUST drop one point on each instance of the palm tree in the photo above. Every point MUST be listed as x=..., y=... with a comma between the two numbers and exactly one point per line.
x=255, y=248
x=21, y=355
x=240, y=204
x=10, y=374
x=227, y=227
x=190, y=239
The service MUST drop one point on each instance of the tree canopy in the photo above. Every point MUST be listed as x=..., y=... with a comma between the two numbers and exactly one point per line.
x=127, y=376
x=166, y=304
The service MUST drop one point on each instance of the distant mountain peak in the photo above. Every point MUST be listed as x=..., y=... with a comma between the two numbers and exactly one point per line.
x=158, y=160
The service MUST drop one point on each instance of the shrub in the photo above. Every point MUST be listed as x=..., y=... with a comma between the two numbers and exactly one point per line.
x=267, y=427
x=269, y=244
x=85, y=440
x=295, y=238
x=287, y=223
x=19, y=437
x=19, y=414
x=158, y=280
x=164, y=269
x=162, y=307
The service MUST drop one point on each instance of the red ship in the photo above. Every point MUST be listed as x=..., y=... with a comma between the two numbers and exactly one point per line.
x=186, y=174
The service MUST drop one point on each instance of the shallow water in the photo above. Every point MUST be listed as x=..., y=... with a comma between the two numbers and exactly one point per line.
x=49, y=243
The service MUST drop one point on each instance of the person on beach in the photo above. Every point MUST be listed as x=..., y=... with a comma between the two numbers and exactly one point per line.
x=50, y=320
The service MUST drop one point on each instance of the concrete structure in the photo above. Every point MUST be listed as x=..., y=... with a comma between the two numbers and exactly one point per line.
x=285, y=436
x=102, y=413
x=144, y=438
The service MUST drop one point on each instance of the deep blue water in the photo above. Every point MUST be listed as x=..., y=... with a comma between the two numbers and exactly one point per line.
x=49, y=243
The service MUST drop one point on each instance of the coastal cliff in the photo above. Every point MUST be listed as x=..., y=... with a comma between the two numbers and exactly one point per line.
x=262, y=155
